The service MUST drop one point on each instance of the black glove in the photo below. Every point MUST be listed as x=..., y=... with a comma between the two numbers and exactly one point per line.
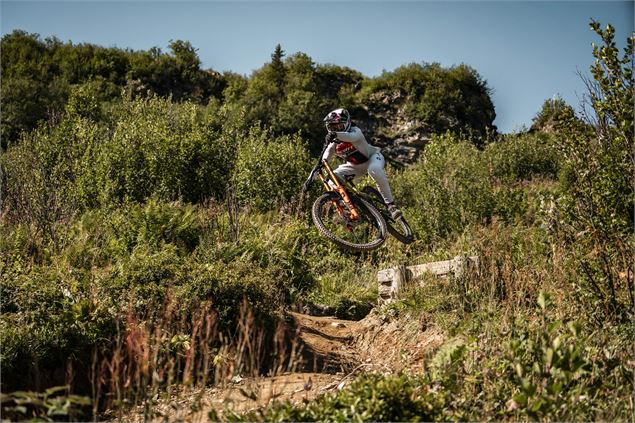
x=330, y=137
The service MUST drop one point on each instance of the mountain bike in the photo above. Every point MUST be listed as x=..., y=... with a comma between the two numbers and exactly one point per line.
x=353, y=219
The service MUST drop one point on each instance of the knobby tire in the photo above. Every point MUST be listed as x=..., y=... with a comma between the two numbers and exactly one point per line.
x=405, y=235
x=369, y=212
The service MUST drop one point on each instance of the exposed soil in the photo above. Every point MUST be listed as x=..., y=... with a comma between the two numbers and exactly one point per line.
x=335, y=352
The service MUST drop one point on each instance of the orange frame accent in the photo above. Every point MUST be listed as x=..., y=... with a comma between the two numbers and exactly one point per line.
x=340, y=189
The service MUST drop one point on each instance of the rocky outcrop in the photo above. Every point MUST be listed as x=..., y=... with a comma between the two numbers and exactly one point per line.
x=387, y=124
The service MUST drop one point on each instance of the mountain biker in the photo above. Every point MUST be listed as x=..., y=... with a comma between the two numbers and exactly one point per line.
x=347, y=141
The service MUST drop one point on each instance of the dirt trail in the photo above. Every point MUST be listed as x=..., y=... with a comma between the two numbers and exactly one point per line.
x=335, y=352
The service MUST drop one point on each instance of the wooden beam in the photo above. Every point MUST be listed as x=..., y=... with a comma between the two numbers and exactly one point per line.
x=391, y=281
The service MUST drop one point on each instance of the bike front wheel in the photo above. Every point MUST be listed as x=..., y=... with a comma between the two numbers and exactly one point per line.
x=333, y=220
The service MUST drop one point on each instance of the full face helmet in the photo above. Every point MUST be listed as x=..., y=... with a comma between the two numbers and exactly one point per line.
x=338, y=121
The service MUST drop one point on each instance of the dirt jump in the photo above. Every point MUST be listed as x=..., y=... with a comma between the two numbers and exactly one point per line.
x=334, y=353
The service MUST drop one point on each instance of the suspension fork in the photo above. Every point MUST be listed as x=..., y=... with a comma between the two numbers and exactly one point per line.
x=340, y=190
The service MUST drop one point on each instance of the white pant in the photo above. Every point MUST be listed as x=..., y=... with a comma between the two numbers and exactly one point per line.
x=375, y=168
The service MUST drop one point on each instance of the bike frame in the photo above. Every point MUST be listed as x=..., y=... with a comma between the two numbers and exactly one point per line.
x=339, y=188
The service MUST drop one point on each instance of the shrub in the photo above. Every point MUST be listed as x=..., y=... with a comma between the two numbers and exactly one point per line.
x=552, y=110
x=100, y=237
x=142, y=280
x=49, y=175
x=155, y=224
x=446, y=190
x=281, y=248
x=54, y=404
x=269, y=170
x=595, y=209
x=369, y=398
x=162, y=150
x=524, y=157
x=49, y=319
x=228, y=285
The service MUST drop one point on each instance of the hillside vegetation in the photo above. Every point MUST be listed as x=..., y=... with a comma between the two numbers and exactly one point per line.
x=153, y=235
x=288, y=95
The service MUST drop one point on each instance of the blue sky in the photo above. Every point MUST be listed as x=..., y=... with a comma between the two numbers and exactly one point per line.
x=527, y=51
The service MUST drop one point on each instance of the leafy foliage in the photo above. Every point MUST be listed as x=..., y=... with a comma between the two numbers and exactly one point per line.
x=128, y=216
x=438, y=99
x=552, y=110
x=31, y=86
x=163, y=150
x=177, y=74
x=54, y=404
x=454, y=185
x=612, y=93
x=38, y=77
x=269, y=170
x=369, y=398
x=288, y=94
x=452, y=189
x=596, y=205
x=523, y=158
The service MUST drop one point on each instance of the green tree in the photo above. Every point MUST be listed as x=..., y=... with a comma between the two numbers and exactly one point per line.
x=436, y=99
x=552, y=111
x=291, y=96
x=277, y=66
x=265, y=91
x=301, y=107
x=597, y=199
x=32, y=89
x=612, y=93
x=177, y=74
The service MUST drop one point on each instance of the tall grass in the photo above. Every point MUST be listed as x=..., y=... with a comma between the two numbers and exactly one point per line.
x=153, y=358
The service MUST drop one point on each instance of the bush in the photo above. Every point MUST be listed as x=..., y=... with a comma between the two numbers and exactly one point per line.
x=54, y=404
x=270, y=170
x=369, y=398
x=162, y=150
x=522, y=158
x=155, y=224
x=595, y=209
x=552, y=110
x=101, y=237
x=49, y=319
x=49, y=175
x=227, y=286
x=133, y=261
x=446, y=190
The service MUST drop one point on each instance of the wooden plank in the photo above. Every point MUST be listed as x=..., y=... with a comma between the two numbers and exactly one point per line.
x=391, y=280
x=438, y=268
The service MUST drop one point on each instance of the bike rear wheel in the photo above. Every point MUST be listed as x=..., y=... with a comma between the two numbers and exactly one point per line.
x=399, y=228
x=332, y=218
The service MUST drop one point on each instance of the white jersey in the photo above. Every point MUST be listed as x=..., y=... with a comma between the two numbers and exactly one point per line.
x=352, y=147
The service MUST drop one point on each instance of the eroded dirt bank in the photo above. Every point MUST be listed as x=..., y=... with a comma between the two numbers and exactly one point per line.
x=334, y=352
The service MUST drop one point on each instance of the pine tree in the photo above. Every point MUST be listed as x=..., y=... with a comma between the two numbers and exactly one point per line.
x=277, y=67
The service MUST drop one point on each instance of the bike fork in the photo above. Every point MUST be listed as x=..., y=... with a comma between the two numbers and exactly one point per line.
x=342, y=192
